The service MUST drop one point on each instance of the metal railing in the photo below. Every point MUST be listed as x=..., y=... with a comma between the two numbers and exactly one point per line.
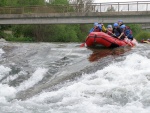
x=92, y=7
x=122, y=6
x=34, y=9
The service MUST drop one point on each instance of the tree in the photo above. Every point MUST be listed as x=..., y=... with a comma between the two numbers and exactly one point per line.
x=21, y=2
x=111, y=9
x=82, y=5
x=80, y=1
x=30, y=2
x=49, y=33
x=59, y=2
x=8, y=3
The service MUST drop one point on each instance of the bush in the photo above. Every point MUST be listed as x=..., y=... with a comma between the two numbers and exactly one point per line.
x=2, y=34
x=18, y=39
x=143, y=35
x=50, y=33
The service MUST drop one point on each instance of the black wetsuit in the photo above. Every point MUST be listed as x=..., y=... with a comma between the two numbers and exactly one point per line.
x=117, y=31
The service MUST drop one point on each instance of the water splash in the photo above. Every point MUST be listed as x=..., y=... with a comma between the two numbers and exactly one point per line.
x=120, y=86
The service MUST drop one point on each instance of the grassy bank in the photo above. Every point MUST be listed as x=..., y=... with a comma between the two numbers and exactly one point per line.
x=58, y=33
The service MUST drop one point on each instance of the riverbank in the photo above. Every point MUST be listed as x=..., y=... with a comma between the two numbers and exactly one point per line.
x=58, y=33
x=47, y=33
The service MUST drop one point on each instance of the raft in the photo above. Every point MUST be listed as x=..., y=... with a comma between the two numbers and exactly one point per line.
x=146, y=41
x=101, y=38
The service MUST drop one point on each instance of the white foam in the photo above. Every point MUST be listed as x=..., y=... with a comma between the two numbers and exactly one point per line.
x=6, y=92
x=4, y=71
x=35, y=78
x=122, y=87
x=13, y=77
x=1, y=51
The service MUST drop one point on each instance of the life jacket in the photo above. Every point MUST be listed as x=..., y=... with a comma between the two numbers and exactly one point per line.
x=104, y=29
x=128, y=32
x=97, y=29
x=117, y=32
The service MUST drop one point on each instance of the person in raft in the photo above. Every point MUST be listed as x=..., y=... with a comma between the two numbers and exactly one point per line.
x=97, y=28
x=109, y=30
x=103, y=28
x=120, y=23
x=117, y=32
x=127, y=32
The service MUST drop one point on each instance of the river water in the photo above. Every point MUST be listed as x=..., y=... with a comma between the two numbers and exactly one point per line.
x=64, y=78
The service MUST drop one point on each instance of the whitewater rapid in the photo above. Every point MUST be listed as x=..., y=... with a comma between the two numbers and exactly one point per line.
x=64, y=78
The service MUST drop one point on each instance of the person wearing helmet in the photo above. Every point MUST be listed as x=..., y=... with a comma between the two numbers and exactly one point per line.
x=97, y=28
x=116, y=30
x=120, y=23
x=123, y=26
x=122, y=29
x=127, y=32
x=103, y=28
x=109, y=30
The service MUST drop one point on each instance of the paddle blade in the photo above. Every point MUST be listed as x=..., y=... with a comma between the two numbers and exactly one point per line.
x=82, y=45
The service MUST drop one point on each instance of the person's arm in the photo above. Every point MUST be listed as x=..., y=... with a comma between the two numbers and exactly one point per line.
x=91, y=30
x=122, y=33
x=113, y=33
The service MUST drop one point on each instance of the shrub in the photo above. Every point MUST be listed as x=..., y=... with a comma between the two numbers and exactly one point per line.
x=18, y=39
x=143, y=35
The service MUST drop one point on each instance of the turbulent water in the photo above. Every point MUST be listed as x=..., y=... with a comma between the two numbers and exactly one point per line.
x=64, y=78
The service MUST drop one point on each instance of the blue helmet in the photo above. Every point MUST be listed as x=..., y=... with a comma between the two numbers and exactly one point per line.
x=116, y=25
x=96, y=24
x=99, y=25
x=109, y=26
x=120, y=21
x=122, y=26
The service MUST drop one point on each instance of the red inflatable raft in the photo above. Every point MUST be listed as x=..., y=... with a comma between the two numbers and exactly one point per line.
x=101, y=38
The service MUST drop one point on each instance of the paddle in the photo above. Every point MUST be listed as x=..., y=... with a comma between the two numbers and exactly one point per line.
x=84, y=44
x=111, y=33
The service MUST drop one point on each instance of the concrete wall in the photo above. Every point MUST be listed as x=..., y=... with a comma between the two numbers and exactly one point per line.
x=75, y=18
